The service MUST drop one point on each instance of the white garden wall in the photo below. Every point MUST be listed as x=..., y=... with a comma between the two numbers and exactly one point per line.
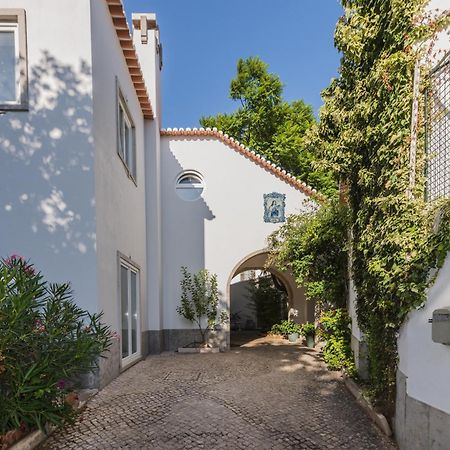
x=224, y=226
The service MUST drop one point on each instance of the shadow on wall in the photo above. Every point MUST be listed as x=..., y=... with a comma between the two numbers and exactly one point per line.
x=46, y=157
x=183, y=245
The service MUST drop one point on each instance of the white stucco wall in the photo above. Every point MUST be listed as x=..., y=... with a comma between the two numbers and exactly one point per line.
x=46, y=154
x=120, y=204
x=149, y=60
x=223, y=227
x=427, y=364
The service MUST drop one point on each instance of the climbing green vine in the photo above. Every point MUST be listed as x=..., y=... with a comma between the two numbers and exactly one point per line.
x=364, y=135
x=313, y=246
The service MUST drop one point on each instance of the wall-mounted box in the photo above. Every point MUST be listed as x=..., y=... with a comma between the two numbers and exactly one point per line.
x=440, y=328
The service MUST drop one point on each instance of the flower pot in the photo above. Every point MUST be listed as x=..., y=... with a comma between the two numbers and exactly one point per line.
x=293, y=337
x=310, y=341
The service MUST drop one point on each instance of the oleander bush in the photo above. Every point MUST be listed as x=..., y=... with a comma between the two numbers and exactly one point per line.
x=45, y=342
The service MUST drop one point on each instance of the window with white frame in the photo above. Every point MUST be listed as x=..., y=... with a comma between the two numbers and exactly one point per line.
x=126, y=136
x=13, y=60
x=130, y=311
x=189, y=185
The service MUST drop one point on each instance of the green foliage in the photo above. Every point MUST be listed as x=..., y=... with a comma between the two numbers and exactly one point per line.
x=271, y=126
x=268, y=301
x=314, y=247
x=364, y=136
x=335, y=330
x=285, y=328
x=45, y=341
x=200, y=301
x=308, y=329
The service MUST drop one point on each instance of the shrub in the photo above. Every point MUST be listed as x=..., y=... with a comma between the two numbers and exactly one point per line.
x=313, y=246
x=335, y=331
x=285, y=328
x=45, y=341
x=308, y=329
x=200, y=301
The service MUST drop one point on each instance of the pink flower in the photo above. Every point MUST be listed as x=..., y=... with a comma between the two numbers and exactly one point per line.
x=61, y=384
x=39, y=327
x=15, y=260
x=115, y=335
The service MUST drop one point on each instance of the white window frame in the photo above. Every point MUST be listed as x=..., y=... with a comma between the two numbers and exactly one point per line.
x=131, y=267
x=14, y=19
x=126, y=150
x=180, y=186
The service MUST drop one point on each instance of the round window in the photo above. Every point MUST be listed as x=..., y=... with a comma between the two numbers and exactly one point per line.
x=189, y=186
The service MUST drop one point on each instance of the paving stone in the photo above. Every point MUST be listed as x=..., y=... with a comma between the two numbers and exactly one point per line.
x=262, y=397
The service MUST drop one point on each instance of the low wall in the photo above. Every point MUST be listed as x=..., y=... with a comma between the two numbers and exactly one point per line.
x=419, y=426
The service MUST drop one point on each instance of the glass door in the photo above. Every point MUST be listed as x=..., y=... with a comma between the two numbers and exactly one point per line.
x=129, y=300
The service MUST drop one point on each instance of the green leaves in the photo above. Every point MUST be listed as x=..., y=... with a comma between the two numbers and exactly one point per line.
x=314, y=246
x=45, y=342
x=334, y=329
x=364, y=137
x=200, y=301
x=270, y=126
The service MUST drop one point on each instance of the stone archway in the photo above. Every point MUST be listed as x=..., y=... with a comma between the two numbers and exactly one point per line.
x=296, y=295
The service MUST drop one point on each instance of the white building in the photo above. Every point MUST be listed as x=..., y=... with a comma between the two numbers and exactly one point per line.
x=93, y=192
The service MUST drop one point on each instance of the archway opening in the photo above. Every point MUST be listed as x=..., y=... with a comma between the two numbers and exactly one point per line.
x=258, y=300
x=260, y=296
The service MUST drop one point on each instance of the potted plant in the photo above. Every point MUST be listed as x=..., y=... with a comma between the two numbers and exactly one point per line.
x=308, y=330
x=288, y=329
x=199, y=305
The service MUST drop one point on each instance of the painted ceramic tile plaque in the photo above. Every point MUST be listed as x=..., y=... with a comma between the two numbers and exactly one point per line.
x=274, y=204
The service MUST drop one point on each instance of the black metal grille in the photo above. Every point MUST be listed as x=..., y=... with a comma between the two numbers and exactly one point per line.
x=438, y=131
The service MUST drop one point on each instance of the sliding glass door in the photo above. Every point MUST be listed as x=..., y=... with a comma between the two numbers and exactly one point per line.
x=129, y=300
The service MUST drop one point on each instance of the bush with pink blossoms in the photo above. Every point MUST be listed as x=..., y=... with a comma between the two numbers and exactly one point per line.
x=46, y=341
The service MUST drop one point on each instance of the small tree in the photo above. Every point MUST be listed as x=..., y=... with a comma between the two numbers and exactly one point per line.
x=268, y=301
x=200, y=301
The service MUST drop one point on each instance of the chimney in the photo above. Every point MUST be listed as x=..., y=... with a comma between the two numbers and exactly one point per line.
x=148, y=46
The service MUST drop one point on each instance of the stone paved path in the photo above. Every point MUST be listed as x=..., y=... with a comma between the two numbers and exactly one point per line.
x=262, y=396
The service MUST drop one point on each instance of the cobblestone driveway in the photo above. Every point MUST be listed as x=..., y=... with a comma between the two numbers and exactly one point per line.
x=267, y=396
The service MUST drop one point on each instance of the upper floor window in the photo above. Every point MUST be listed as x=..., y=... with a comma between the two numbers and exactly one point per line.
x=13, y=60
x=126, y=136
x=438, y=131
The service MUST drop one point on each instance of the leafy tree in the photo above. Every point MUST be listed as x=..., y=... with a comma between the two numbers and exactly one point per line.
x=200, y=301
x=271, y=126
x=268, y=301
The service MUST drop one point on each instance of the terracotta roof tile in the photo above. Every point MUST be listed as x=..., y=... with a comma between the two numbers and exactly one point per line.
x=129, y=52
x=248, y=153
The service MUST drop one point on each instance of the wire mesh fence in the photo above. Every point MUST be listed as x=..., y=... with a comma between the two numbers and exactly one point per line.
x=437, y=106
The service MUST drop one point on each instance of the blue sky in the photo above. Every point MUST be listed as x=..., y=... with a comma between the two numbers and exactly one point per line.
x=203, y=40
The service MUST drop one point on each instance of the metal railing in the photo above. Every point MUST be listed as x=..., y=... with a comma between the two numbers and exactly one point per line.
x=437, y=131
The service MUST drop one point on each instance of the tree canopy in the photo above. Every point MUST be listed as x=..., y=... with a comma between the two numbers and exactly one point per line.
x=271, y=126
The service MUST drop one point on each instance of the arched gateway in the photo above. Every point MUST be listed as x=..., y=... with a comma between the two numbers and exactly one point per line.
x=238, y=199
x=295, y=294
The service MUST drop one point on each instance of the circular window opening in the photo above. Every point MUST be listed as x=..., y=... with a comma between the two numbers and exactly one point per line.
x=189, y=186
